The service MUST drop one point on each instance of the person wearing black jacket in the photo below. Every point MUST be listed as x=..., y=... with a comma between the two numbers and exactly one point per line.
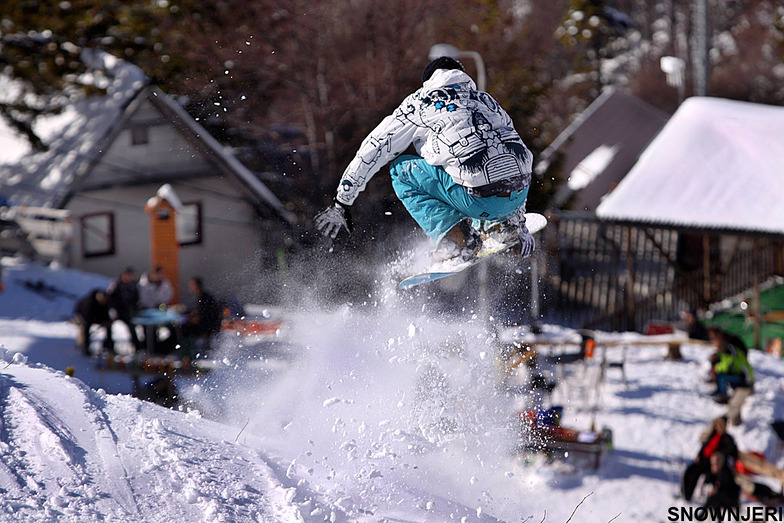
x=724, y=490
x=124, y=299
x=715, y=440
x=204, y=321
x=92, y=309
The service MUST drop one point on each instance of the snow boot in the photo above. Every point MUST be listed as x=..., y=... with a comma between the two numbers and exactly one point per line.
x=461, y=241
x=503, y=231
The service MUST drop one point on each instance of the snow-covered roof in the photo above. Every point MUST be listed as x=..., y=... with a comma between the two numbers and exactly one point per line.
x=718, y=164
x=600, y=146
x=40, y=178
x=79, y=137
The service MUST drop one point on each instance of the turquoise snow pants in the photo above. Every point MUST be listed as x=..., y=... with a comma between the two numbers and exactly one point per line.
x=437, y=203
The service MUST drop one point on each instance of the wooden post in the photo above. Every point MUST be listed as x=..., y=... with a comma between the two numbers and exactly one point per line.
x=706, y=270
x=630, y=299
x=164, y=249
x=756, y=306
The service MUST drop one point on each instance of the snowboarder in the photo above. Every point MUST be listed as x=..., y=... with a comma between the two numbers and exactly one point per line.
x=472, y=169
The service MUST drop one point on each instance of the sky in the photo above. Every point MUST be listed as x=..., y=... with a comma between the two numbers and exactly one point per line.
x=380, y=413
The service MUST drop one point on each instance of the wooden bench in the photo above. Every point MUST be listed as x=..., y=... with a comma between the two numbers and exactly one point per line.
x=563, y=441
x=673, y=344
x=759, y=465
x=590, y=342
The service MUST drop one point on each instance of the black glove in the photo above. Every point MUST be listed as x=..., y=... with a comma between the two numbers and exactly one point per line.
x=333, y=218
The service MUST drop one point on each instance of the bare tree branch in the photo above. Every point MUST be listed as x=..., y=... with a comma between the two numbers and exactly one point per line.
x=578, y=506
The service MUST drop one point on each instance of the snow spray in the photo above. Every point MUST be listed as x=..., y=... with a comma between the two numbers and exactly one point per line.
x=379, y=403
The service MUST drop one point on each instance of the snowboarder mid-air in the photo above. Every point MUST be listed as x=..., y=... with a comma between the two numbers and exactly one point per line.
x=471, y=173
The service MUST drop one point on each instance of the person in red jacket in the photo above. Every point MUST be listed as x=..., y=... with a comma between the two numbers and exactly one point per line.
x=724, y=490
x=716, y=439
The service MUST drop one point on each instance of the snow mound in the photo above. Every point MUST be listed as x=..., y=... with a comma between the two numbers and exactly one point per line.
x=70, y=453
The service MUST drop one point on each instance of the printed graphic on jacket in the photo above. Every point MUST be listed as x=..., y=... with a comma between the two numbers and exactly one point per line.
x=482, y=149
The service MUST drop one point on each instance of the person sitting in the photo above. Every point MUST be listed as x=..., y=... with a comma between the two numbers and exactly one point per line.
x=715, y=439
x=92, y=309
x=731, y=366
x=155, y=292
x=155, y=289
x=724, y=490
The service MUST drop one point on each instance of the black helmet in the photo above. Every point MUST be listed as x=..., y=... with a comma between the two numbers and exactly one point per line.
x=443, y=62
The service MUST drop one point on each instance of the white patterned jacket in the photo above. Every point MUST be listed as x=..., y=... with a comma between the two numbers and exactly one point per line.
x=453, y=125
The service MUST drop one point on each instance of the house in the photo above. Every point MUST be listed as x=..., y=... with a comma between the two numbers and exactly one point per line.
x=696, y=219
x=591, y=156
x=109, y=155
x=714, y=176
x=599, y=147
x=716, y=165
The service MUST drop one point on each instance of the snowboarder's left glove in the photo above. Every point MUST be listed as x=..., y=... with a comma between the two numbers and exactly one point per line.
x=527, y=242
x=333, y=218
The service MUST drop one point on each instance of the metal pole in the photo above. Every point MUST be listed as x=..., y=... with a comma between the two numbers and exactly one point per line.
x=535, y=286
x=700, y=48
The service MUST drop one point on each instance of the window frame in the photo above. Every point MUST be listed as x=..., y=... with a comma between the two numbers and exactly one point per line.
x=199, y=230
x=111, y=239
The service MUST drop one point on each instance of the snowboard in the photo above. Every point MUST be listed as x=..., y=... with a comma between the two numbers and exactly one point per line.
x=490, y=246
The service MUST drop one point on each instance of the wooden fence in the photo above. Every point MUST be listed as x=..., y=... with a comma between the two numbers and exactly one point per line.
x=613, y=277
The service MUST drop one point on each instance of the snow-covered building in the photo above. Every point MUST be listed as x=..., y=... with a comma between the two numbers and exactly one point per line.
x=695, y=219
x=717, y=165
x=598, y=148
x=108, y=155
x=713, y=175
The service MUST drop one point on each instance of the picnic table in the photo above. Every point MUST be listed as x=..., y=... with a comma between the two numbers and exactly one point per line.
x=152, y=320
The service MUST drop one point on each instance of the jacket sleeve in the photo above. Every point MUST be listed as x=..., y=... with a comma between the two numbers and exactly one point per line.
x=724, y=364
x=390, y=138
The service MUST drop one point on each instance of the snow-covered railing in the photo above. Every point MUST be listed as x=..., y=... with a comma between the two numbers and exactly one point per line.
x=49, y=231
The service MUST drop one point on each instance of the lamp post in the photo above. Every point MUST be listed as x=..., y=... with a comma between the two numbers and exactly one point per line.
x=674, y=68
x=451, y=51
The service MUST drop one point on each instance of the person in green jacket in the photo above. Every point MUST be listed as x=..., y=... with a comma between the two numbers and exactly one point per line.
x=730, y=365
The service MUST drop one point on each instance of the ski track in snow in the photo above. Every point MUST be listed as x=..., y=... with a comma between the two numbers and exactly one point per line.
x=374, y=416
x=73, y=454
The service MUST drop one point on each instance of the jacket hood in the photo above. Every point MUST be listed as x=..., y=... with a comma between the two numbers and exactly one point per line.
x=442, y=77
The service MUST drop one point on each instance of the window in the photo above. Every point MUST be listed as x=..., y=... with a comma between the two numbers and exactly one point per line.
x=189, y=224
x=140, y=135
x=97, y=234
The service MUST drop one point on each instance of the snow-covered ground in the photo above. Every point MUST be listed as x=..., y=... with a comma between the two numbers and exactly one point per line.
x=375, y=413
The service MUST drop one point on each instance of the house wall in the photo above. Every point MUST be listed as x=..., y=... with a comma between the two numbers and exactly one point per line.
x=164, y=152
x=232, y=242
